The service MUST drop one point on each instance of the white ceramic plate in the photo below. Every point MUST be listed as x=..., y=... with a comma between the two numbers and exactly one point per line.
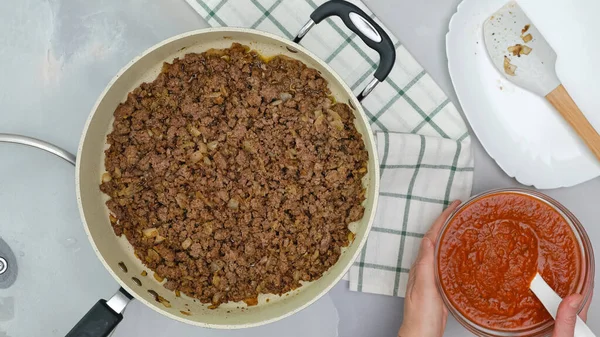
x=521, y=131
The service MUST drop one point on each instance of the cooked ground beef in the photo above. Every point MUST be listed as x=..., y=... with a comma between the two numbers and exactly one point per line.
x=232, y=175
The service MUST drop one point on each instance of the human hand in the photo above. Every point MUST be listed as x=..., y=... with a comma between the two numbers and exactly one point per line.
x=564, y=325
x=425, y=314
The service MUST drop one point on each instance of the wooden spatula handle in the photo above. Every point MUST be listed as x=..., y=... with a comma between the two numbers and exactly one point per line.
x=563, y=102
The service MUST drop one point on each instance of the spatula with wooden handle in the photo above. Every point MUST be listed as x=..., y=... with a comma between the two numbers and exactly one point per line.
x=520, y=52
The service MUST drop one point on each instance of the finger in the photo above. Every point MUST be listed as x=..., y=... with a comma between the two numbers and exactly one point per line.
x=424, y=265
x=425, y=255
x=566, y=317
x=433, y=232
x=420, y=262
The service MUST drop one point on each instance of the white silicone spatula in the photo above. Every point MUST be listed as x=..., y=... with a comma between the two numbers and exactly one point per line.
x=522, y=55
x=551, y=301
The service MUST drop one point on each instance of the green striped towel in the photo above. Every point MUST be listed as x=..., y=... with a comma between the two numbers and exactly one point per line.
x=423, y=143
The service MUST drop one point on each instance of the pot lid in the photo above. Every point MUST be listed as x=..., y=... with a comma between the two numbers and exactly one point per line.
x=49, y=274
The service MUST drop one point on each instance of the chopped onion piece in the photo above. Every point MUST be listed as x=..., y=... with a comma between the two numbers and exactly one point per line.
x=233, y=203
x=196, y=156
x=509, y=68
x=186, y=243
x=150, y=232
x=212, y=145
x=194, y=131
x=334, y=115
x=338, y=125
x=285, y=96
x=519, y=49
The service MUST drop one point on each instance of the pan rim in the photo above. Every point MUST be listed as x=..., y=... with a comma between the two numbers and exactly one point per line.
x=371, y=147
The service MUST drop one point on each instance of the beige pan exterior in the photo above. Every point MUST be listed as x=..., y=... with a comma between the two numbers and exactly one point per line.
x=112, y=250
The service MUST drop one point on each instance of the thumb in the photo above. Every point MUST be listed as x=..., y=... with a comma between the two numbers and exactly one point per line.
x=424, y=265
x=566, y=317
x=426, y=252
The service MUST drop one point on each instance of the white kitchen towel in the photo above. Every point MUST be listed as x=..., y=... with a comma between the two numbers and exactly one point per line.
x=423, y=143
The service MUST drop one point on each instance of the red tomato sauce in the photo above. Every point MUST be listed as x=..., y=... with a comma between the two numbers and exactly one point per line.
x=490, y=252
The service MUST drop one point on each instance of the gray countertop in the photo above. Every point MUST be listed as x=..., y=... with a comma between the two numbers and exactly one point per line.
x=55, y=58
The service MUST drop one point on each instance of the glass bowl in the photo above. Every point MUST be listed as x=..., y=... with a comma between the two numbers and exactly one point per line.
x=584, y=286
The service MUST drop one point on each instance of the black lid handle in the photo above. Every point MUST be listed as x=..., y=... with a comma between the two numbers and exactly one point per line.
x=366, y=28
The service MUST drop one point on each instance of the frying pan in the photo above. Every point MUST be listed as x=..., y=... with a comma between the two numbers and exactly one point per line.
x=117, y=254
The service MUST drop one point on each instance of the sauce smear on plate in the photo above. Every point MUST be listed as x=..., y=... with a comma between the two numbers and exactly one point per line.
x=490, y=252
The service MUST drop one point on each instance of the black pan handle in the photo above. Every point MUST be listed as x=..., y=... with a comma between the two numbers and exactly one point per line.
x=366, y=28
x=103, y=318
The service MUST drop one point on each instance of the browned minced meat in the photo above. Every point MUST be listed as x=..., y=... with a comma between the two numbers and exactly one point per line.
x=232, y=176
